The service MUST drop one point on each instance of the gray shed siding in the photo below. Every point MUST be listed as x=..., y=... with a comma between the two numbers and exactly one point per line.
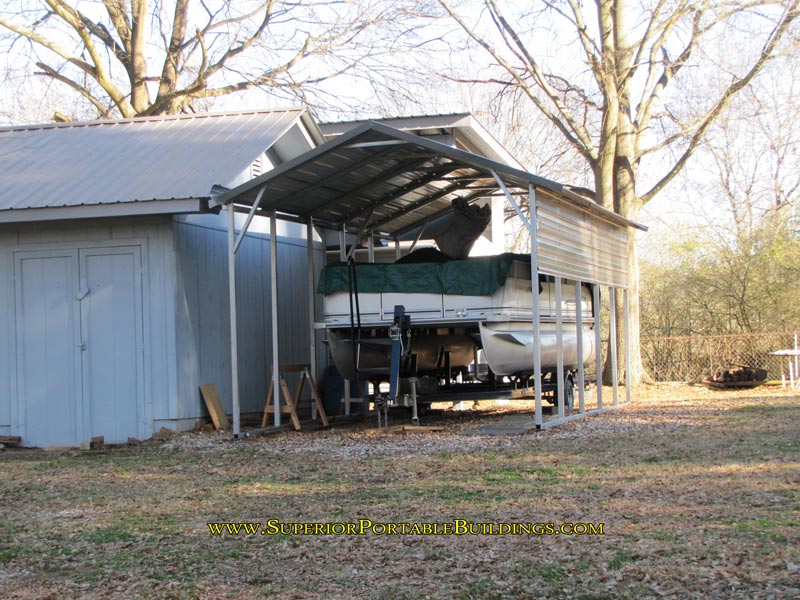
x=154, y=236
x=202, y=318
x=184, y=306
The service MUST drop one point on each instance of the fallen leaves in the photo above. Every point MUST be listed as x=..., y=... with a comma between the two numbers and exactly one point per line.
x=697, y=490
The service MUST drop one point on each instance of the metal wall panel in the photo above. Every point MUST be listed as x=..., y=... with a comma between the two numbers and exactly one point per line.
x=7, y=341
x=580, y=246
x=203, y=322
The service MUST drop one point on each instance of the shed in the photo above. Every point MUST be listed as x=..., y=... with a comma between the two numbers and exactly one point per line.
x=118, y=307
x=112, y=237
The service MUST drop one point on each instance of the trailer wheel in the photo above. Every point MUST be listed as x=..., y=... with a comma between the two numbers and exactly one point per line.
x=569, y=394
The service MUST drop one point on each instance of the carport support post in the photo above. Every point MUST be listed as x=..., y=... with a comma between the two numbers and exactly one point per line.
x=370, y=247
x=343, y=258
x=537, y=351
x=532, y=225
x=312, y=315
x=627, y=346
x=579, y=332
x=232, y=315
x=273, y=278
x=560, y=381
x=612, y=340
x=598, y=346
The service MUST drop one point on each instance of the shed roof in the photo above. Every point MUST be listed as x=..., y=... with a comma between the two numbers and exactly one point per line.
x=134, y=160
x=388, y=180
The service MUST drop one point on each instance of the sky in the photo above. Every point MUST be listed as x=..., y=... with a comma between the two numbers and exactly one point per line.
x=683, y=204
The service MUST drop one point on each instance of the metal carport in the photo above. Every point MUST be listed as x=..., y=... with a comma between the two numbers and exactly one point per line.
x=382, y=182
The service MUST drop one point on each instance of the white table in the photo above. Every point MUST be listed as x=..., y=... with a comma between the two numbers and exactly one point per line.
x=794, y=376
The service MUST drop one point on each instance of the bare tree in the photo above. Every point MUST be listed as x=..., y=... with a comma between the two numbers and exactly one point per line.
x=633, y=60
x=733, y=268
x=135, y=58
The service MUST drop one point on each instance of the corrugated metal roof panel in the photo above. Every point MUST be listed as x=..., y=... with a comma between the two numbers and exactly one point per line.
x=135, y=159
x=391, y=182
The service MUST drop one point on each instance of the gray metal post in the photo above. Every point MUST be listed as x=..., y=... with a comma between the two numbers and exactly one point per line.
x=627, y=347
x=273, y=270
x=532, y=225
x=370, y=247
x=612, y=341
x=559, y=349
x=232, y=315
x=537, y=351
x=396, y=248
x=343, y=258
x=312, y=313
x=579, y=331
x=598, y=345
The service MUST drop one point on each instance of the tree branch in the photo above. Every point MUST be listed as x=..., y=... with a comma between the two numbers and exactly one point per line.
x=582, y=143
x=767, y=52
x=50, y=72
x=76, y=20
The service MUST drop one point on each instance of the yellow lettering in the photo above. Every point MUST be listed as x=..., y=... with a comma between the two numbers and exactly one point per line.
x=460, y=526
x=233, y=528
x=273, y=527
x=364, y=525
x=251, y=528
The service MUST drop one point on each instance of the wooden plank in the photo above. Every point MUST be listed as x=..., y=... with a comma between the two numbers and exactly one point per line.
x=288, y=397
x=293, y=368
x=267, y=406
x=214, y=406
x=317, y=399
x=10, y=440
x=423, y=428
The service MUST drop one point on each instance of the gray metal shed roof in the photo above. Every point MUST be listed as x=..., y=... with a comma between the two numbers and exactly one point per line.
x=388, y=180
x=131, y=160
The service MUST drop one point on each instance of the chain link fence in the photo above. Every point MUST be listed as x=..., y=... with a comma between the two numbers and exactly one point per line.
x=690, y=358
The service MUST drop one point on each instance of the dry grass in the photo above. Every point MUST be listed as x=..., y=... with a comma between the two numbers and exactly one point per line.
x=697, y=491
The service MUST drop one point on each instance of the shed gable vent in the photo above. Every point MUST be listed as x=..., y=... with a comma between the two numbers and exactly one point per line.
x=257, y=167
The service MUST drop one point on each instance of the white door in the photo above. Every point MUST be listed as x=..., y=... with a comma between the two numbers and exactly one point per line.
x=111, y=342
x=48, y=354
x=79, y=345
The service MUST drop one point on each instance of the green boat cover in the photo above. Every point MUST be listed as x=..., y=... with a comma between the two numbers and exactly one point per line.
x=472, y=277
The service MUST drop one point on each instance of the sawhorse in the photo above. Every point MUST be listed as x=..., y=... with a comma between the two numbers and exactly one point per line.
x=291, y=403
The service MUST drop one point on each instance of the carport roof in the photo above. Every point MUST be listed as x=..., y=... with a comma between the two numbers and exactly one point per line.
x=388, y=180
